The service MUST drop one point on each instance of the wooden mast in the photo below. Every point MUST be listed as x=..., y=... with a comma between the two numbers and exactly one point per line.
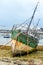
x=32, y=17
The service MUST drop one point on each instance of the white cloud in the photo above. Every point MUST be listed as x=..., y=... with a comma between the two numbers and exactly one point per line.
x=16, y=11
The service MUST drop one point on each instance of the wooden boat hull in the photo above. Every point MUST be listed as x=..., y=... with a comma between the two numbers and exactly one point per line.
x=18, y=47
x=23, y=42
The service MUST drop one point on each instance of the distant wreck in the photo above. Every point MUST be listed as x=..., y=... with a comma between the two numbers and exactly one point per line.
x=24, y=41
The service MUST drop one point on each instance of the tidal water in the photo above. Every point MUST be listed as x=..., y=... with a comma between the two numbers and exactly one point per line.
x=6, y=40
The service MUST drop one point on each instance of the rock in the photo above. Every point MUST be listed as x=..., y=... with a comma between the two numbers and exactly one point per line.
x=24, y=63
x=17, y=62
x=31, y=62
x=41, y=63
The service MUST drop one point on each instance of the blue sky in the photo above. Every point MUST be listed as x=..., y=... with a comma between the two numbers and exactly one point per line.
x=17, y=11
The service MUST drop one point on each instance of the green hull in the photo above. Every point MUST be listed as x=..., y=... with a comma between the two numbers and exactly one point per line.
x=25, y=39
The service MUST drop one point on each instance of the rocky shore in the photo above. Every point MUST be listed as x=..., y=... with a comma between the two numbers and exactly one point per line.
x=34, y=58
x=12, y=61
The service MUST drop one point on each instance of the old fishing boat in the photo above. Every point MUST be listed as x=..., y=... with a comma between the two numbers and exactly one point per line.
x=23, y=41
